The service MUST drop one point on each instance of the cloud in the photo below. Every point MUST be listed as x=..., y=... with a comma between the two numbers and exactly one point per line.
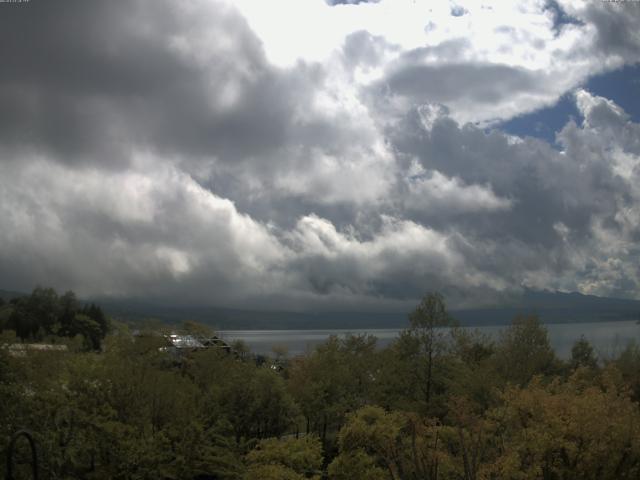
x=614, y=25
x=349, y=2
x=478, y=90
x=564, y=219
x=436, y=193
x=561, y=204
x=134, y=232
x=93, y=82
x=206, y=152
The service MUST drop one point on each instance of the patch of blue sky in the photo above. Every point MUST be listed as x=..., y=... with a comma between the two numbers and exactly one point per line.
x=560, y=17
x=543, y=123
x=622, y=86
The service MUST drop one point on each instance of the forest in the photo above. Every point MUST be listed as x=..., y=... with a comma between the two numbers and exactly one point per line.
x=438, y=403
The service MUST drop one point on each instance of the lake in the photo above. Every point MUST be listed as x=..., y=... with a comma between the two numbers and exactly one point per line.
x=607, y=338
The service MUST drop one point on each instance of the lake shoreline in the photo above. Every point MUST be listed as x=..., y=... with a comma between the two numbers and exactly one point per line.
x=606, y=337
x=397, y=327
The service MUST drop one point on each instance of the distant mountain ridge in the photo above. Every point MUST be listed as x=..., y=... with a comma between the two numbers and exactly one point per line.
x=8, y=294
x=555, y=307
x=551, y=307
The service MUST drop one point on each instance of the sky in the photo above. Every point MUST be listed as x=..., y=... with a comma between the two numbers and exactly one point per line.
x=320, y=155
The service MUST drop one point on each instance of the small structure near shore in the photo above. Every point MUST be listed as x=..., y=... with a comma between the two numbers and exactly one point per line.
x=181, y=343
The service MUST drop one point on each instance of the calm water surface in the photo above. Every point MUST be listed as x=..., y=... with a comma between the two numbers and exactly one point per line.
x=607, y=338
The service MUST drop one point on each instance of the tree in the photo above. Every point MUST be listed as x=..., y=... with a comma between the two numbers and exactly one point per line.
x=524, y=351
x=287, y=458
x=5, y=313
x=43, y=304
x=564, y=430
x=189, y=327
x=36, y=314
x=427, y=321
x=89, y=329
x=22, y=321
x=472, y=440
x=333, y=380
x=271, y=472
x=240, y=349
x=582, y=354
x=355, y=465
x=404, y=445
x=472, y=373
x=68, y=308
x=628, y=365
x=45, y=313
x=425, y=342
x=376, y=434
x=252, y=399
x=97, y=315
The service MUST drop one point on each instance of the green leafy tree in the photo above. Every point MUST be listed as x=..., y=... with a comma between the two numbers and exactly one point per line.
x=253, y=400
x=5, y=314
x=582, y=354
x=419, y=364
x=68, y=307
x=189, y=327
x=271, y=472
x=472, y=373
x=42, y=306
x=240, y=349
x=89, y=329
x=355, y=465
x=524, y=351
x=97, y=315
x=36, y=315
x=628, y=366
x=472, y=440
x=336, y=378
x=564, y=430
x=22, y=320
x=403, y=445
x=290, y=457
x=426, y=328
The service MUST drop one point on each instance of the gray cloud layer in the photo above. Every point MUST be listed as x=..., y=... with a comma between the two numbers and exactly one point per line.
x=150, y=148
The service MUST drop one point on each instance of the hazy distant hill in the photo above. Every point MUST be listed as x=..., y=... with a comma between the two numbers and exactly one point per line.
x=8, y=294
x=556, y=307
x=551, y=307
x=234, y=319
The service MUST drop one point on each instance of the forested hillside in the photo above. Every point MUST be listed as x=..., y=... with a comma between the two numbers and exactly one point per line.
x=436, y=404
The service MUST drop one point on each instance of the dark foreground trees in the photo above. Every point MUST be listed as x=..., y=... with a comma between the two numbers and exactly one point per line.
x=439, y=403
x=46, y=315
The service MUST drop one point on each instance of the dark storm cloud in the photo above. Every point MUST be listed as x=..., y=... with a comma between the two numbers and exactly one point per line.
x=555, y=198
x=545, y=187
x=89, y=81
x=141, y=90
x=616, y=24
x=69, y=70
x=150, y=148
x=95, y=84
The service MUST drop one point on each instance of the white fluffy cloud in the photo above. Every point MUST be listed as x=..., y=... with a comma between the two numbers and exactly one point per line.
x=439, y=193
x=486, y=61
